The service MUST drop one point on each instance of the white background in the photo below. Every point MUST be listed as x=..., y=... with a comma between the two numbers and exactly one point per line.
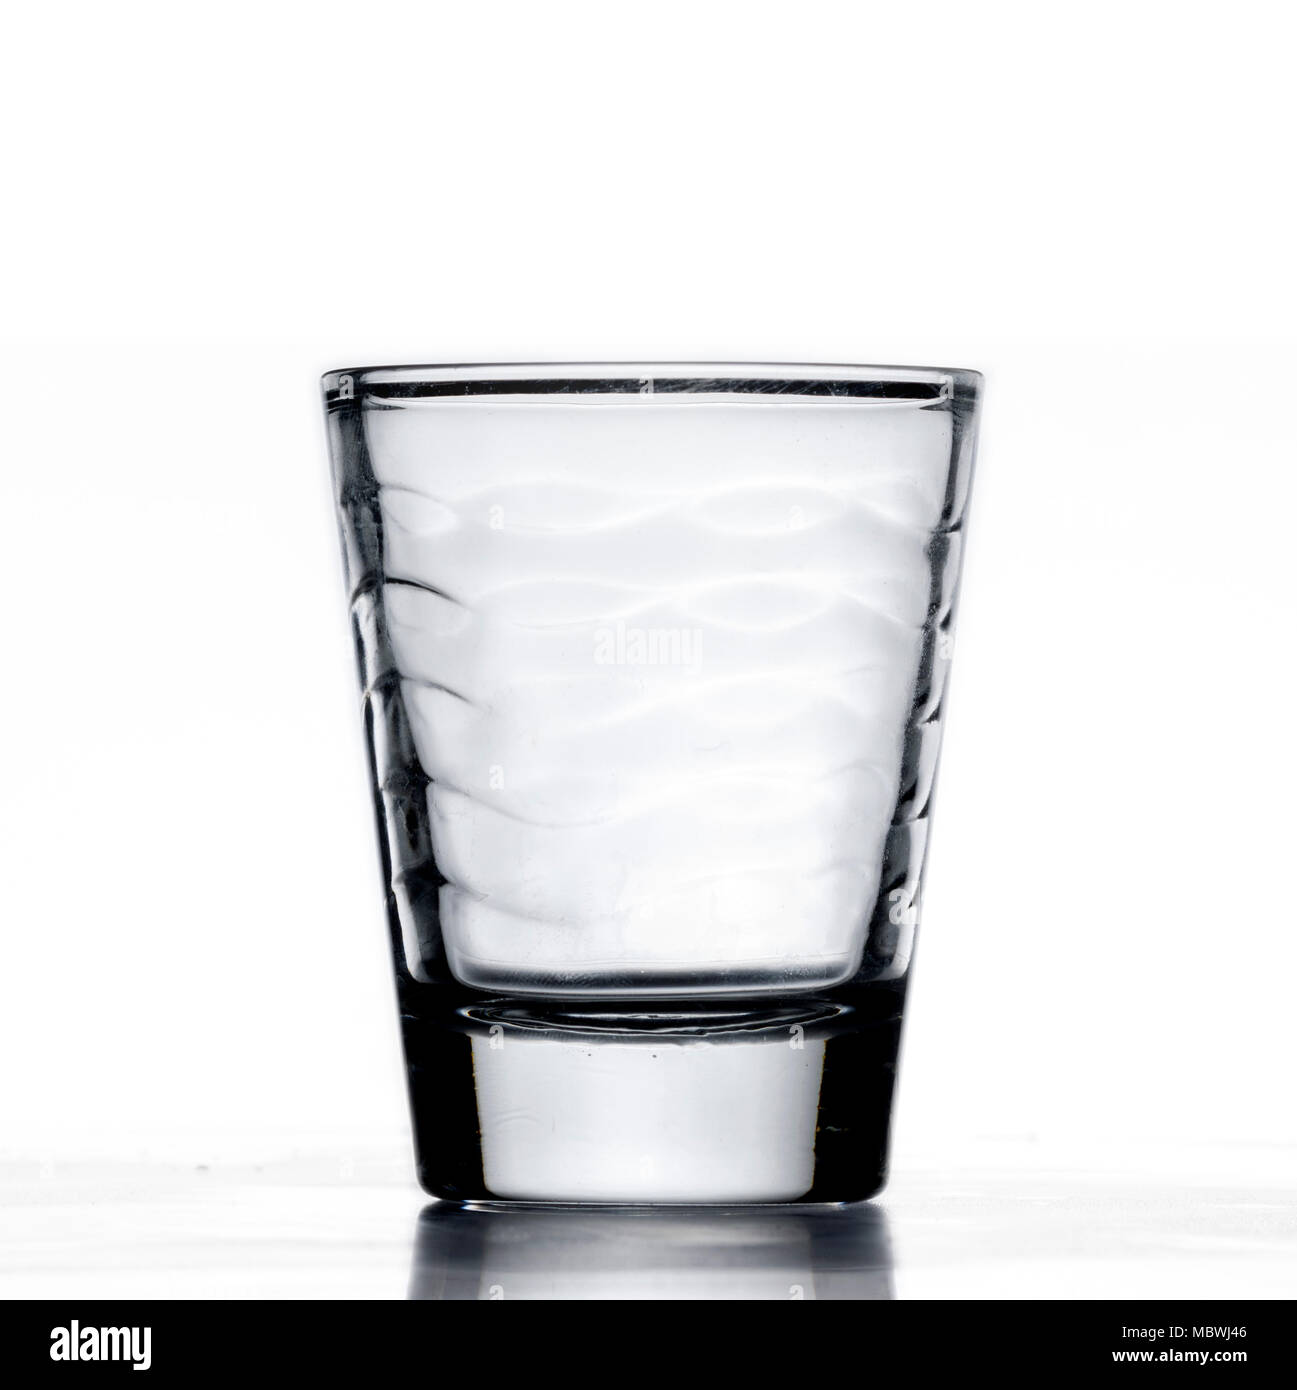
x=207, y=208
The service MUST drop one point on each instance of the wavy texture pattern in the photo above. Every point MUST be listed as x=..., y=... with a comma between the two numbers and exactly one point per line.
x=655, y=686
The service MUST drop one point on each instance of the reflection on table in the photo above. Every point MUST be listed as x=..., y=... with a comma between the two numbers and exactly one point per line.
x=640, y=1253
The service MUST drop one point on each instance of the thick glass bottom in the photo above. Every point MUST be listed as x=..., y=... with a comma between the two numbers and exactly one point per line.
x=663, y=1102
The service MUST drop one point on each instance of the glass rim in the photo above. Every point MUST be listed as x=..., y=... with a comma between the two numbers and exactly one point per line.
x=757, y=382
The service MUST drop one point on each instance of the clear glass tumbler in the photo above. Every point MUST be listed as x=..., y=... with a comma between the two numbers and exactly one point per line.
x=653, y=661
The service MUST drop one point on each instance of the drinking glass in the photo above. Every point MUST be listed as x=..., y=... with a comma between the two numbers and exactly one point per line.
x=653, y=662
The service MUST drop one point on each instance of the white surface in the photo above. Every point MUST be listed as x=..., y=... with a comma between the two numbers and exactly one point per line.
x=1008, y=1223
x=210, y=205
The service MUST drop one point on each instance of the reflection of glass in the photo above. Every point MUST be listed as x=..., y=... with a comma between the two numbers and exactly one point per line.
x=654, y=661
x=659, y=1254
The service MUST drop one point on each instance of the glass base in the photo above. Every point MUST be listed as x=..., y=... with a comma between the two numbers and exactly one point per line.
x=673, y=1103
